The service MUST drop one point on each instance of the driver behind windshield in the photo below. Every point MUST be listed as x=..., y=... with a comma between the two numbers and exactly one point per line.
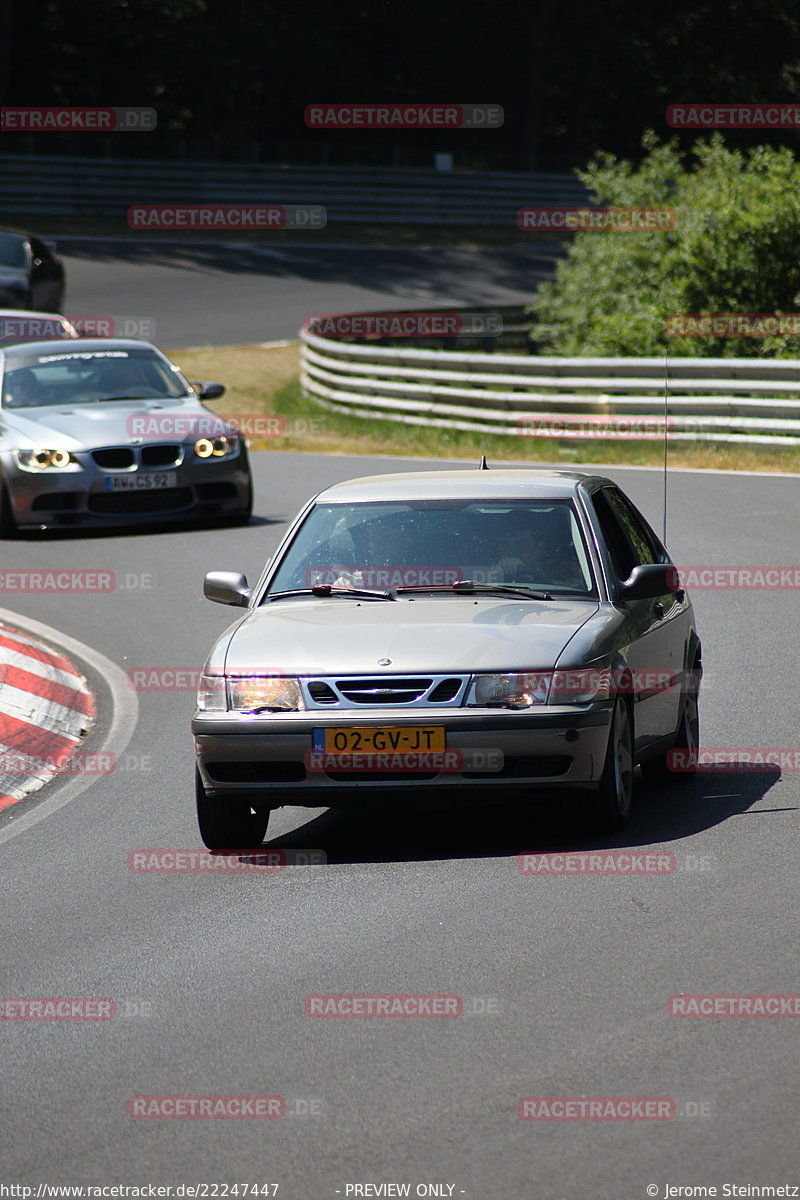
x=383, y=546
x=20, y=388
x=122, y=379
x=537, y=548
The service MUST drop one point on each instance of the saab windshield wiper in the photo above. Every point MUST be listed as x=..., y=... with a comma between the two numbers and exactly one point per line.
x=511, y=589
x=467, y=587
x=322, y=590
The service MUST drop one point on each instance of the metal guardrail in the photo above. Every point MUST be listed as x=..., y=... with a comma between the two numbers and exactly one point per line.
x=75, y=186
x=755, y=401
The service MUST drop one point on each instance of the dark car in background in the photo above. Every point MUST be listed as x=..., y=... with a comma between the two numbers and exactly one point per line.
x=31, y=273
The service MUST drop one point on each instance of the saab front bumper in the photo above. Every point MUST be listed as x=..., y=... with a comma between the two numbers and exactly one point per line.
x=256, y=755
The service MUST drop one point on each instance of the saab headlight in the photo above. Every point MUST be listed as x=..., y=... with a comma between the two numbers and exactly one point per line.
x=40, y=459
x=509, y=690
x=211, y=693
x=581, y=686
x=259, y=693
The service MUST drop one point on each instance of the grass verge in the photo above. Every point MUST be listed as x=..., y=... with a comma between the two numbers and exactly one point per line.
x=265, y=383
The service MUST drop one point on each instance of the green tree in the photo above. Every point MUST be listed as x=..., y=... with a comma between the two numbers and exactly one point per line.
x=735, y=248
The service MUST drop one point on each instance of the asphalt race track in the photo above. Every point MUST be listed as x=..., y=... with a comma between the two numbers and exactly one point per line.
x=564, y=979
x=202, y=293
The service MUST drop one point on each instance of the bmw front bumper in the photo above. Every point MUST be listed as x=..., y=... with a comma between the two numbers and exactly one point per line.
x=83, y=493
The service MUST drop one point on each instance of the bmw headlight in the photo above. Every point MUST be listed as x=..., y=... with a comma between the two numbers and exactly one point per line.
x=41, y=459
x=224, y=446
x=509, y=690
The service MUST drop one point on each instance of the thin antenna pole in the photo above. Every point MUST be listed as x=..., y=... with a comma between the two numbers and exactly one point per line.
x=666, y=440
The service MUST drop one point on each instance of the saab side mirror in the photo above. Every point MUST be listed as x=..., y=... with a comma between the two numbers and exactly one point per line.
x=651, y=580
x=227, y=587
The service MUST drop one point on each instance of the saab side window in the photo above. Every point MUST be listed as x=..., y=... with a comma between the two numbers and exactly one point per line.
x=620, y=551
x=645, y=548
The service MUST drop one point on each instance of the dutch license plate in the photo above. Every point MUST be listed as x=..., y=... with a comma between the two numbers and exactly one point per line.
x=379, y=739
x=146, y=482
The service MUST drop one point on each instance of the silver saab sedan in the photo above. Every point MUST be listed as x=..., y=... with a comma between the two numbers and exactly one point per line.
x=98, y=431
x=422, y=636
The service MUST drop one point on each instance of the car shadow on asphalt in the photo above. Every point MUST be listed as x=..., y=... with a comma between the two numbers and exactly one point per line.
x=497, y=829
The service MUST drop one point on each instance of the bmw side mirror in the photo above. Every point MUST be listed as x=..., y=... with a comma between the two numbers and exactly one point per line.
x=650, y=580
x=227, y=587
x=209, y=390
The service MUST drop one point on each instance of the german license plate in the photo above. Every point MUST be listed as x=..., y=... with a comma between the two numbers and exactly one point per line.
x=379, y=739
x=141, y=482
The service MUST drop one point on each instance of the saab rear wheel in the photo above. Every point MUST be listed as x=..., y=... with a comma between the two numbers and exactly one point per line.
x=679, y=764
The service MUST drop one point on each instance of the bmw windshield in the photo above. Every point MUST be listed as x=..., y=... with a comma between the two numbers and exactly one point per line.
x=89, y=376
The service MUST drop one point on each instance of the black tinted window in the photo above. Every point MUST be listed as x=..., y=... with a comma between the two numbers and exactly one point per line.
x=639, y=536
x=614, y=535
x=12, y=251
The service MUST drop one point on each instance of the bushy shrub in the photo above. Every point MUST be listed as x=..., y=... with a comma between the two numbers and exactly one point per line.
x=735, y=248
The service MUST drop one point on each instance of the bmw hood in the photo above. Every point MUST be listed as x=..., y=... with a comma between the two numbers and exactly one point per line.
x=338, y=636
x=88, y=426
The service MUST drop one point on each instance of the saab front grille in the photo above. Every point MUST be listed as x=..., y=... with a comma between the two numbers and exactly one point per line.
x=444, y=691
x=383, y=691
x=399, y=691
